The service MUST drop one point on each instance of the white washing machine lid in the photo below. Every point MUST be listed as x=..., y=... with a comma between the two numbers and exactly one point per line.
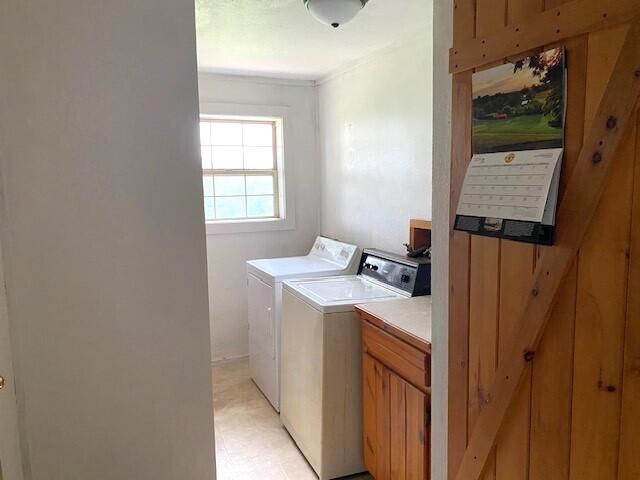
x=273, y=270
x=327, y=257
x=339, y=294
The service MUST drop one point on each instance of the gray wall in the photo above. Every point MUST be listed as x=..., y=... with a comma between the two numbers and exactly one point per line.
x=104, y=238
x=443, y=35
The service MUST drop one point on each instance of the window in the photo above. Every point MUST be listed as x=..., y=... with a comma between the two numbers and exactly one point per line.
x=240, y=168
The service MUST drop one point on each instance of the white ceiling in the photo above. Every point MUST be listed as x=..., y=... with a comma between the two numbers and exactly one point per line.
x=280, y=38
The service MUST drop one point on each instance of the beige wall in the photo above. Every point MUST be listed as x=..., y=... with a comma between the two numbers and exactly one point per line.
x=104, y=239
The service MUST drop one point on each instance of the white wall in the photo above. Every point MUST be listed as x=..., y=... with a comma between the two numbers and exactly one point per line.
x=227, y=253
x=443, y=37
x=104, y=239
x=375, y=143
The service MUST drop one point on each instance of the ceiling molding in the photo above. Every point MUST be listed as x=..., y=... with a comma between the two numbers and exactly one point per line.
x=415, y=36
x=256, y=79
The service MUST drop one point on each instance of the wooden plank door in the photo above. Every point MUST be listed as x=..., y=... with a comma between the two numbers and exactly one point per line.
x=575, y=414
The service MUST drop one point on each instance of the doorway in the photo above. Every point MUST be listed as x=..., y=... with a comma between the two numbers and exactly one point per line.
x=355, y=106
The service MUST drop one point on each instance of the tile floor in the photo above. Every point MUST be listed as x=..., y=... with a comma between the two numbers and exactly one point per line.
x=251, y=444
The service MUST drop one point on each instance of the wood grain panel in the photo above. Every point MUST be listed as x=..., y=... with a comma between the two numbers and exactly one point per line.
x=483, y=327
x=629, y=461
x=554, y=25
x=490, y=16
x=369, y=422
x=552, y=374
x=398, y=427
x=383, y=446
x=579, y=207
x=417, y=434
x=601, y=294
x=576, y=414
x=459, y=248
x=551, y=390
x=485, y=277
x=408, y=338
x=517, y=261
x=459, y=254
x=520, y=10
x=395, y=354
x=549, y=4
x=464, y=20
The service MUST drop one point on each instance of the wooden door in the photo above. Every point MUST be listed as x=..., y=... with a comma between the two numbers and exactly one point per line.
x=395, y=425
x=10, y=460
x=575, y=415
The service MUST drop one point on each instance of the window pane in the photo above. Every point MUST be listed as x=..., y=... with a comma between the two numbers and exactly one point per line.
x=257, y=134
x=207, y=185
x=206, y=157
x=261, y=206
x=258, y=158
x=227, y=157
x=259, y=185
x=205, y=133
x=230, y=207
x=229, y=185
x=209, y=209
x=226, y=133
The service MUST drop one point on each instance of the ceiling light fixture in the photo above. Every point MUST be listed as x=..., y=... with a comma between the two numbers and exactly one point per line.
x=334, y=12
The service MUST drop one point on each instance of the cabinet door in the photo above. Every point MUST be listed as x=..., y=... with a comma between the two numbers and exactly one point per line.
x=417, y=434
x=376, y=418
x=395, y=425
x=408, y=453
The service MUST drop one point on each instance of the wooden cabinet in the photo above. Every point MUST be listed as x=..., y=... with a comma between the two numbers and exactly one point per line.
x=395, y=404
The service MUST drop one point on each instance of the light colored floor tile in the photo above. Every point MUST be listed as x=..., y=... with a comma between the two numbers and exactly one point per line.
x=250, y=440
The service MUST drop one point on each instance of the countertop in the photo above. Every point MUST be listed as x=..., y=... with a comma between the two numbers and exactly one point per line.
x=409, y=316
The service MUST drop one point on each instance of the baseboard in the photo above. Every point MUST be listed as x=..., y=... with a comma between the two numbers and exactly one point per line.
x=222, y=361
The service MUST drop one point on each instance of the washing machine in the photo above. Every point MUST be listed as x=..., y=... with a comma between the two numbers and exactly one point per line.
x=321, y=392
x=327, y=257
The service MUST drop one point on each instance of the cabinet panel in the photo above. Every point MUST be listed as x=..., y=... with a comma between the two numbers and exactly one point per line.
x=369, y=413
x=417, y=455
x=401, y=357
x=398, y=426
x=383, y=423
x=396, y=430
x=395, y=411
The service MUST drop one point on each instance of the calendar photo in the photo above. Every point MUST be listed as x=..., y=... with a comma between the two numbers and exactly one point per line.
x=521, y=105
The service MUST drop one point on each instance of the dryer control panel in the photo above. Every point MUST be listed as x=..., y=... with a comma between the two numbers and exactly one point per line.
x=407, y=274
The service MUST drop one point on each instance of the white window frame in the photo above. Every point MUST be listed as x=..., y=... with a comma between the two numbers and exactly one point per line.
x=286, y=203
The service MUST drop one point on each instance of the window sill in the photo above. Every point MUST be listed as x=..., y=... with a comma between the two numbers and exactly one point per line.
x=226, y=227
